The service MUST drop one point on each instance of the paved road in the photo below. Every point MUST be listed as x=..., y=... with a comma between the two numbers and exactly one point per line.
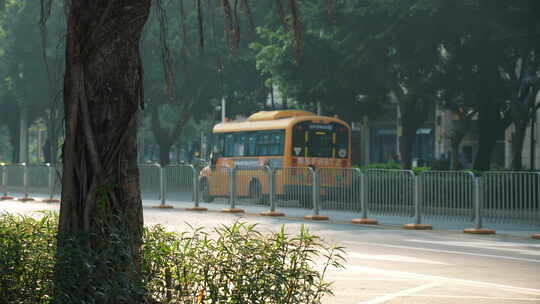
x=390, y=265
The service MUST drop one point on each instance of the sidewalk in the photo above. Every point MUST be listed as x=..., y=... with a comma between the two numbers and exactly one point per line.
x=335, y=217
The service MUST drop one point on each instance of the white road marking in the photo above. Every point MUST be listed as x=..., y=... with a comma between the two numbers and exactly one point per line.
x=402, y=293
x=337, y=293
x=392, y=258
x=488, y=245
x=445, y=251
x=419, y=276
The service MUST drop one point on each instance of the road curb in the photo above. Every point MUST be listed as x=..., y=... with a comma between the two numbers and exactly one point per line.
x=316, y=217
x=196, y=209
x=478, y=231
x=272, y=213
x=417, y=227
x=50, y=200
x=233, y=210
x=365, y=221
x=163, y=207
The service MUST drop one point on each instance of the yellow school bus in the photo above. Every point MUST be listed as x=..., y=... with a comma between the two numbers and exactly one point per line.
x=283, y=140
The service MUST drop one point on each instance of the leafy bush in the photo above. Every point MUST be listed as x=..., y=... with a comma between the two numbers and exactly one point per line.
x=239, y=265
x=419, y=170
x=387, y=166
x=26, y=258
x=235, y=264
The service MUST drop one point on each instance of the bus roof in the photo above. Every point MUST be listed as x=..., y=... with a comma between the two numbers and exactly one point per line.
x=273, y=115
x=272, y=124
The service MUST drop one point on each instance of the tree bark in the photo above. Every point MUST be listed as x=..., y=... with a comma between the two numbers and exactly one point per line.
x=166, y=138
x=518, y=138
x=490, y=125
x=164, y=154
x=102, y=97
x=14, y=141
x=455, y=142
x=458, y=133
x=406, y=145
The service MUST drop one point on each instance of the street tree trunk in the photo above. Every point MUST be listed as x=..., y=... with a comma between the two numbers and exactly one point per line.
x=490, y=125
x=102, y=97
x=458, y=132
x=164, y=153
x=165, y=138
x=406, y=143
x=518, y=138
x=414, y=112
x=455, y=142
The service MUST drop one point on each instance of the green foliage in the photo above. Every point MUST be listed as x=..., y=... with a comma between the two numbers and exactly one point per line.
x=386, y=166
x=393, y=166
x=27, y=258
x=419, y=170
x=231, y=264
x=239, y=265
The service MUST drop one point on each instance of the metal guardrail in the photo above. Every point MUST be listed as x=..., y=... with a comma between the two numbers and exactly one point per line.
x=511, y=197
x=390, y=192
x=494, y=197
x=447, y=195
x=149, y=181
x=31, y=179
x=341, y=189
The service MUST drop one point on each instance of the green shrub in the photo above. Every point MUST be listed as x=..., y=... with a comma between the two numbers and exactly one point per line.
x=386, y=166
x=230, y=264
x=237, y=265
x=26, y=258
x=419, y=170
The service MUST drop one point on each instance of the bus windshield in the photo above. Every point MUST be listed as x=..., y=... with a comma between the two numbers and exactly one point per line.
x=258, y=143
x=320, y=140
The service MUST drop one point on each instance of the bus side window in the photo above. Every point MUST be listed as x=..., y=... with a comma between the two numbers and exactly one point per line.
x=229, y=145
x=262, y=144
x=252, y=144
x=240, y=144
x=277, y=144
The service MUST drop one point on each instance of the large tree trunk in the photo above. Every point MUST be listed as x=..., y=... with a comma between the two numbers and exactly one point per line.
x=406, y=142
x=490, y=125
x=14, y=141
x=165, y=138
x=50, y=147
x=518, y=138
x=164, y=153
x=13, y=126
x=102, y=96
x=455, y=142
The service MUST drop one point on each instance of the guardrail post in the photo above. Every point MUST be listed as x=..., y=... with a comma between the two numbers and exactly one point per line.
x=232, y=193
x=162, y=189
x=417, y=225
x=316, y=190
x=478, y=202
x=26, y=198
x=196, y=197
x=4, y=184
x=363, y=220
x=51, y=185
x=537, y=236
x=271, y=193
